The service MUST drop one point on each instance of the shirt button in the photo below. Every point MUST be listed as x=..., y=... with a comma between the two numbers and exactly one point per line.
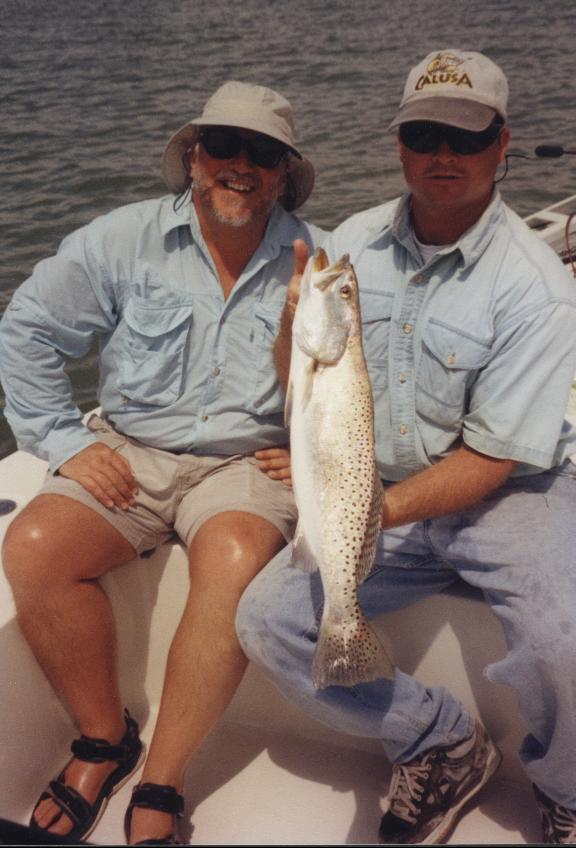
x=451, y=359
x=402, y=378
x=402, y=429
x=419, y=278
x=204, y=418
x=216, y=371
x=407, y=328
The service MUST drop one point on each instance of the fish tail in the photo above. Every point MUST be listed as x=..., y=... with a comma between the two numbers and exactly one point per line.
x=349, y=653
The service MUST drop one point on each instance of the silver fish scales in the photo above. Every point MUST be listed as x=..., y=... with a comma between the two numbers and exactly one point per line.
x=338, y=492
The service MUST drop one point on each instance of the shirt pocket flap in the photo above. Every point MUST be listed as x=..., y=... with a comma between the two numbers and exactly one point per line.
x=269, y=314
x=454, y=350
x=156, y=319
x=375, y=307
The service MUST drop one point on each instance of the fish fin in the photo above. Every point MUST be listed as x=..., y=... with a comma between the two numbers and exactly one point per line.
x=289, y=403
x=308, y=382
x=366, y=558
x=302, y=556
x=347, y=654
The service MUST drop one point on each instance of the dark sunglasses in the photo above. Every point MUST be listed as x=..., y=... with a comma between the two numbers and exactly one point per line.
x=263, y=151
x=426, y=137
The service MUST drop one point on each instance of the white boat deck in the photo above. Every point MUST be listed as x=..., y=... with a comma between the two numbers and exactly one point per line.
x=267, y=775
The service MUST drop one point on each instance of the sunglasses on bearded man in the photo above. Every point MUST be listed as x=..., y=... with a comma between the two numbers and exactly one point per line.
x=224, y=143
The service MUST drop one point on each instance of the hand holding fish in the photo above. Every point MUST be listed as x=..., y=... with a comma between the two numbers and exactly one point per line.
x=300, y=259
x=283, y=343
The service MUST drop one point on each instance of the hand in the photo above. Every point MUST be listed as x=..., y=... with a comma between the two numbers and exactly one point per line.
x=275, y=462
x=300, y=259
x=103, y=473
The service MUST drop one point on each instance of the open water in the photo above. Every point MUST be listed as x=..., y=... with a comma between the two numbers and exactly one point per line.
x=92, y=89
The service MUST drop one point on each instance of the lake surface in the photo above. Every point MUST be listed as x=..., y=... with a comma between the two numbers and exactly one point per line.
x=92, y=91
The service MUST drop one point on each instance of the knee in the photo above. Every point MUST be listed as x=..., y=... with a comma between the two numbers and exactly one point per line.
x=26, y=550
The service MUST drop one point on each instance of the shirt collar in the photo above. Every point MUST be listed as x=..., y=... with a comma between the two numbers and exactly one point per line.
x=281, y=230
x=471, y=244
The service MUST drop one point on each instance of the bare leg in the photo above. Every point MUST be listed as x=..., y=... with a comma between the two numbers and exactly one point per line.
x=205, y=663
x=53, y=552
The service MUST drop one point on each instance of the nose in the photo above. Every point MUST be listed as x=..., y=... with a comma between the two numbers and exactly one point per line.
x=445, y=153
x=242, y=161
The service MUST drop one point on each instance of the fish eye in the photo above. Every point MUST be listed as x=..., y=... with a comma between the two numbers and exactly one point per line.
x=346, y=291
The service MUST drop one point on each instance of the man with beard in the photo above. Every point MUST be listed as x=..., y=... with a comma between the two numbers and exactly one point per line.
x=185, y=296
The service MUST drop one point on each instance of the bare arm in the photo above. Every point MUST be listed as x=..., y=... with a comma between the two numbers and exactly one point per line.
x=460, y=480
x=283, y=344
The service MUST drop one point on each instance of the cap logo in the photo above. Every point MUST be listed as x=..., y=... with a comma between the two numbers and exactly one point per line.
x=444, y=69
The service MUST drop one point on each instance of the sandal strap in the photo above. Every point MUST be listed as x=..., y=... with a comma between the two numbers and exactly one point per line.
x=94, y=750
x=70, y=802
x=156, y=796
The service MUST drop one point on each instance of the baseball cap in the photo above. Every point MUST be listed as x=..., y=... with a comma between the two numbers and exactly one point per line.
x=461, y=88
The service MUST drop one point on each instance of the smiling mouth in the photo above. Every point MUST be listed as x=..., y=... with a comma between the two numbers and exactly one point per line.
x=238, y=187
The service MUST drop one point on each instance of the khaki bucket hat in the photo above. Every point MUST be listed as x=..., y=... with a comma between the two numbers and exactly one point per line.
x=249, y=107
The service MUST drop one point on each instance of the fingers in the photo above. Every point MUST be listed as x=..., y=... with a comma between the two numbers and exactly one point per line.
x=275, y=462
x=300, y=258
x=103, y=473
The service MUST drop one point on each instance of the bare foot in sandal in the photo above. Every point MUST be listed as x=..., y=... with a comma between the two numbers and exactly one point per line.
x=74, y=802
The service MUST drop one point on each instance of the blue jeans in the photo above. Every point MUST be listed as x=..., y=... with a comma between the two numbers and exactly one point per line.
x=519, y=548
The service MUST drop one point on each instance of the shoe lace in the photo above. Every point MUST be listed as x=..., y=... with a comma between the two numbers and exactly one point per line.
x=407, y=788
x=561, y=823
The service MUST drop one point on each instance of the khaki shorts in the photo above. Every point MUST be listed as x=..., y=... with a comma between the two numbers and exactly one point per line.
x=179, y=492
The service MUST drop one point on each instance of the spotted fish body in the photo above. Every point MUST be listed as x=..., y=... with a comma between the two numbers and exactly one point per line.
x=336, y=485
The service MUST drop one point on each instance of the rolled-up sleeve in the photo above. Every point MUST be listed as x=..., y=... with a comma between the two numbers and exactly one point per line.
x=518, y=401
x=55, y=314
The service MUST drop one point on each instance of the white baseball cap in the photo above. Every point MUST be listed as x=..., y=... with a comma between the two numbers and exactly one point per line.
x=461, y=88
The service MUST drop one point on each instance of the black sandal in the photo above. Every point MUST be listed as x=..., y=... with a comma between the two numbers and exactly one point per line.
x=154, y=796
x=83, y=815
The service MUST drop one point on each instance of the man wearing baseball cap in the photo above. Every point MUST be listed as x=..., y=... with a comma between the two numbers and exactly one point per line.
x=469, y=328
x=185, y=295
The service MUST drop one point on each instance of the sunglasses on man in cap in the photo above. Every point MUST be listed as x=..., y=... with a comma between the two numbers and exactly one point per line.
x=427, y=137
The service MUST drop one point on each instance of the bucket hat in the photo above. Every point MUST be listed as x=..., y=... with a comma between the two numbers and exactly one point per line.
x=461, y=88
x=249, y=107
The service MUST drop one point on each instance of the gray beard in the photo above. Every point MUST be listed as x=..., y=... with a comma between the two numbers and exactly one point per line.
x=230, y=218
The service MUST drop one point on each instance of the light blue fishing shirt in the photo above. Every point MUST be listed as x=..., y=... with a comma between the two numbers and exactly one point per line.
x=478, y=344
x=181, y=368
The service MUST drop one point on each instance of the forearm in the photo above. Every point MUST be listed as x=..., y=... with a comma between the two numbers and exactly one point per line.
x=459, y=481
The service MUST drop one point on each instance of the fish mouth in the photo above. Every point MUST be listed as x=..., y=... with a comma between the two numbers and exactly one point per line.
x=321, y=263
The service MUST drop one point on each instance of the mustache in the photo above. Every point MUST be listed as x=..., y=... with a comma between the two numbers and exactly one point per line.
x=435, y=171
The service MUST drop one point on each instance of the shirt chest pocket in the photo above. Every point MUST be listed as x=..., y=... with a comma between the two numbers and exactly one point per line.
x=376, y=313
x=154, y=339
x=449, y=364
x=266, y=396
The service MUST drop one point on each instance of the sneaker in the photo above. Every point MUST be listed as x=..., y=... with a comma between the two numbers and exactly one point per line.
x=558, y=822
x=428, y=793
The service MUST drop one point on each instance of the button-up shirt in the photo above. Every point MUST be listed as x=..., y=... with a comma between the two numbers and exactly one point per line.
x=477, y=344
x=181, y=368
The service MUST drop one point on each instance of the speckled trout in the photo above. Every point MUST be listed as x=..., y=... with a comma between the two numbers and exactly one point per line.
x=338, y=492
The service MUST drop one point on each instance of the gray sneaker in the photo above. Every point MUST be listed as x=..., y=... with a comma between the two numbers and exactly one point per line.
x=427, y=794
x=558, y=822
